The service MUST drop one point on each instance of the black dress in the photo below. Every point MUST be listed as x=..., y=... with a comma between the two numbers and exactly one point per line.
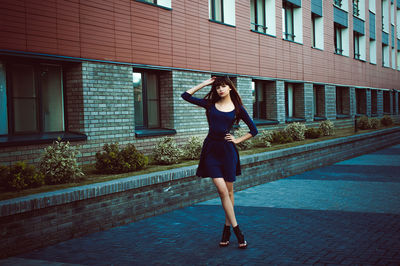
x=219, y=157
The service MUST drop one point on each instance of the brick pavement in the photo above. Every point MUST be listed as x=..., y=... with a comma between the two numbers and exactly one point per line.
x=346, y=213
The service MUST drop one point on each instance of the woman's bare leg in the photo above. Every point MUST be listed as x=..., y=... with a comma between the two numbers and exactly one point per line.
x=229, y=185
x=223, y=192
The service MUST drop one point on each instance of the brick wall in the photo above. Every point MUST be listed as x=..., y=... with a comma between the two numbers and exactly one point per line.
x=45, y=219
x=379, y=102
x=330, y=100
x=99, y=103
x=368, y=104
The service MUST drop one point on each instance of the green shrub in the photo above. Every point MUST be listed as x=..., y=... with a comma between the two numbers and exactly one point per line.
x=281, y=137
x=167, y=152
x=21, y=176
x=296, y=130
x=113, y=160
x=375, y=123
x=313, y=133
x=4, y=172
x=327, y=128
x=363, y=122
x=244, y=145
x=59, y=163
x=192, y=148
x=386, y=121
x=264, y=138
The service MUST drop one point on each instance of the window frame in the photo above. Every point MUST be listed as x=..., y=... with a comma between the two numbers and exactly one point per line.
x=356, y=8
x=287, y=5
x=313, y=27
x=386, y=102
x=36, y=64
x=257, y=109
x=145, y=114
x=356, y=45
x=213, y=11
x=338, y=32
x=339, y=101
x=337, y=3
x=256, y=22
x=288, y=103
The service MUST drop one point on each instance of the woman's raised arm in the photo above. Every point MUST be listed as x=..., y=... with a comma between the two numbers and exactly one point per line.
x=187, y=95
x=205, y=83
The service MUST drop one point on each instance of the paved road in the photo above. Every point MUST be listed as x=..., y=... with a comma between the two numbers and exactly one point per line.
x=346, y=213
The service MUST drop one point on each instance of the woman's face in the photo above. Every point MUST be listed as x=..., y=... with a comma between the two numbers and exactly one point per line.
x=223, y=90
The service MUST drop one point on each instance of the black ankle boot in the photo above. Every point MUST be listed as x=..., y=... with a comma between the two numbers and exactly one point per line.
x=226, y=234
x=240, y=237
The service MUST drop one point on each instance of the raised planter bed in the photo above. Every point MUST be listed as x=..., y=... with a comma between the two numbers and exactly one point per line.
x=47, y=218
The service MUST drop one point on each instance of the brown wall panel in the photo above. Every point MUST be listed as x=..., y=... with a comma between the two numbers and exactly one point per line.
x=131, y=31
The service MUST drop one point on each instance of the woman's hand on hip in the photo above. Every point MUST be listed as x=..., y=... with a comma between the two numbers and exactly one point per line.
x=231, y=138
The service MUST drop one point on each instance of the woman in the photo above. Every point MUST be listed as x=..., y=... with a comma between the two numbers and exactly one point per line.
x=219, y=157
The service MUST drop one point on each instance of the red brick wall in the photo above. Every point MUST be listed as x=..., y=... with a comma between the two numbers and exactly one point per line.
x=130, y=31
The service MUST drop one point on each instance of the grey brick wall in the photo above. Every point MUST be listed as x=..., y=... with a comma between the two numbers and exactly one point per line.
x=368, y=102
x=330, y=100
x=167, y=100
x=280, y=101
x=379, y=102
x=308, y=101
x=352, y=102
x=99, y=103
x=189, y=118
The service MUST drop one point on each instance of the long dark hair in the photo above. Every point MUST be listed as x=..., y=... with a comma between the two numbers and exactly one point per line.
x=212, y=97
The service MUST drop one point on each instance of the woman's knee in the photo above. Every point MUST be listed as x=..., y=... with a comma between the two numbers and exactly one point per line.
x=223, y=193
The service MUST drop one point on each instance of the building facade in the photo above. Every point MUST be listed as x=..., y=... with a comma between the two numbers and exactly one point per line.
x=96, y=72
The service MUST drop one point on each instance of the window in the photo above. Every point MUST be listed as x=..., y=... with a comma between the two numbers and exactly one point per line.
x=3, y=101
x=217, y=13
x=258, y=16
x=161, y=3
x=361, y=101
x=317, y=31
x=31, y=98
x=372, y=51
x=222, y=11
x=146, y=100
x=398, y=60
x=319, y=102
x=356, y=42
x=292, y=22
x=385, y=15
x=356, y=8
x=313, y=41
x=393, y=58
x=259, y=100
x=337, y=3
x=338, y=39
x=288, y=21
x=385, y=55
x=386, y=102
x=342, y=101
x=289, y=100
